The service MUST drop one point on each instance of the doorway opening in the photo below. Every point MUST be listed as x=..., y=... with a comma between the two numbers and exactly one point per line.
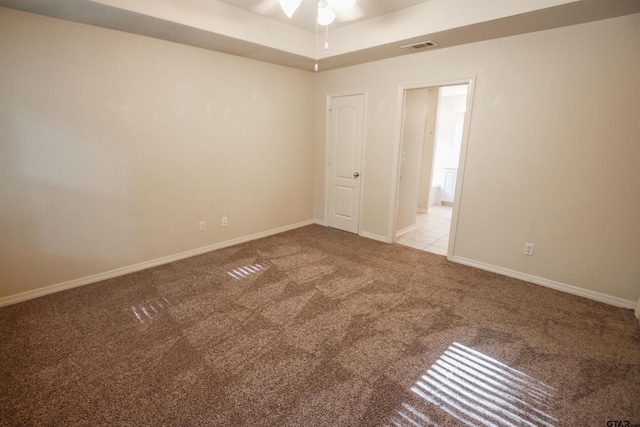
x=432, y=146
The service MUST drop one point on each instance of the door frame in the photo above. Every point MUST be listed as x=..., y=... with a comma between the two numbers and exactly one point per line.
x=393, y=207
x=327, y=151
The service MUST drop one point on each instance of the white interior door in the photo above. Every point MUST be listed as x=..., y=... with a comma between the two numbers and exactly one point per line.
x=346, y=134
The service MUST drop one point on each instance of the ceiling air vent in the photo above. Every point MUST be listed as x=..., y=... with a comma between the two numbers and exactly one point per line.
x=419, y=45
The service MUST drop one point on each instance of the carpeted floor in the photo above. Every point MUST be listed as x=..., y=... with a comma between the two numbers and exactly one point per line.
x=317, y=327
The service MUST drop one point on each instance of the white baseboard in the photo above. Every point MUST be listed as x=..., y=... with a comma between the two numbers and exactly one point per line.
x=362, y=233
x=638, y=309
x=406, y=230
x=24, y=296
x=377, y=237
x=423, y=210
x=597, y=296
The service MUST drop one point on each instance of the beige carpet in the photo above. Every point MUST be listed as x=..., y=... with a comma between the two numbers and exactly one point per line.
x=317, y=327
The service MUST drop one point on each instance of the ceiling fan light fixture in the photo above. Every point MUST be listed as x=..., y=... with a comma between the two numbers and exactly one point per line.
x=326, y=15
x=290, y=6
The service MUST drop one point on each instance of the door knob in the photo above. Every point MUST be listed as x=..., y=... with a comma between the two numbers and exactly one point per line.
x=356, y=174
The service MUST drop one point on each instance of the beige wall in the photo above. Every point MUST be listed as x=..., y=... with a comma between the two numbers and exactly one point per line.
x=115, y=146
x=553, y=152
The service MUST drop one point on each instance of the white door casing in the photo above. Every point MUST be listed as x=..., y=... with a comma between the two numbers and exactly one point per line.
x=470, y=82
x=346, y=135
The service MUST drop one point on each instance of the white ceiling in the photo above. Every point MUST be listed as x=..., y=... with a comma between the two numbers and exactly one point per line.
x=258, y=29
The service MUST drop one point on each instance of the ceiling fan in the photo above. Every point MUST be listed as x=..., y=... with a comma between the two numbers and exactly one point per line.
x=319, y=12
x=327, y=9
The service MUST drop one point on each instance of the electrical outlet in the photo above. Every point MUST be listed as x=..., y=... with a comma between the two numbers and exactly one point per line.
x=224, y=221
x=203, y=225
x=528, y=249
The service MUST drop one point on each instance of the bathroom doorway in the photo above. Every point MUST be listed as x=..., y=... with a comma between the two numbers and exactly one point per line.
x=434, y=120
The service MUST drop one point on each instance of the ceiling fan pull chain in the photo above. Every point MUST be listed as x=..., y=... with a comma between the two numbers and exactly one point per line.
x=326, y=38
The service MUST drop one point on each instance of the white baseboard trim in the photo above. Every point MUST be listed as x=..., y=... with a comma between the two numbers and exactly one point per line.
x=24, y=296
x=406, y=230
x=638, y=309
x=320, y=222
x=597, y=296
x=423, y=210
x=377, y=237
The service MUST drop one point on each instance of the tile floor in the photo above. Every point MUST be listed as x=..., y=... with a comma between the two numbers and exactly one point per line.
x=432, y=234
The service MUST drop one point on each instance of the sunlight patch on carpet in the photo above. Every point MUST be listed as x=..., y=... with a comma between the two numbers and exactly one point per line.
x=150, y=310
x=476, y=390
x=240, y=273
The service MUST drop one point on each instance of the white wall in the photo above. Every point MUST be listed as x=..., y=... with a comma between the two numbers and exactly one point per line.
x=115, y=146
x=552, y=156
x=425, y=195
x=451, y=110
x=413, y=130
